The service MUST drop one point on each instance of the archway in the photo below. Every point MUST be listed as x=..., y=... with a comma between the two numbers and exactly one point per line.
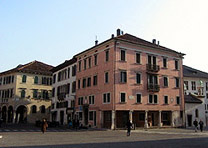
x=10, y=114
x=4, y=113
x=21, y=114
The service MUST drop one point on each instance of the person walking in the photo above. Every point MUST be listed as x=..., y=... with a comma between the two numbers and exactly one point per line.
x=195, y=125
x=128, y=125
x=201, y=124
x=44, y=126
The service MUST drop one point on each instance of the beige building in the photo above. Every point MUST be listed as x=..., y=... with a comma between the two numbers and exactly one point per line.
x=25, y=92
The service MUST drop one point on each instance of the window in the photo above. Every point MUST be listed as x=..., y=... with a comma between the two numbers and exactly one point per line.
x=91, y=115
x=186, y=85
x=206, y=86
x=35, y=93
x=123, y=77
x=79, y=84
x=193, y=85
x=138, y=78
x=36, y=80
x=89, y=82
x=91, y=100
x=84, y=83
x=165, y=99
x=106, y=77
x=123, y=97
x=106, y=98
x=176, y=64
x=74, y=87
x=74, y=70
x=68, y=73
x=80, y=101
x=165, y=80
x=89, y=62
x=23, y=94
x=207, y=95
x=138, y=58
x=34, y=109
x=54, y=78
x=42, y=109
x=80, y=65
x=85, y=64
x=196, y=113
x=80, y=116
x=95, y=59
x=123, y=55
x=153, y=99
x=164, y=62
x=107, y=55
x=139, y=98
x=177, y=82
x=95, y=80
x=152, y=60
x=24, y=79
x=177, y=100
x=53, y=92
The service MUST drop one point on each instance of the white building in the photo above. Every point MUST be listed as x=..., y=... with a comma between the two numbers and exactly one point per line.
x=196, y=95
x=63, y=92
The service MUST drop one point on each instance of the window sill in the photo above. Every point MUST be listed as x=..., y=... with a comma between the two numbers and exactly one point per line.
x=122, y=82
x=152, y=103
x=138, y=103
x=137, y=64
x=164, y=67
x=137, y=84
x=176, y=87
x=165, y=86
x=122, y=61
x=122, y=102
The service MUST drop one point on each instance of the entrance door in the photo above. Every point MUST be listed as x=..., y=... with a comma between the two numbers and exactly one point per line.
x=153, y=119
x=95, y=118
x=61, y=117
x=189, y=117
x=86, y=112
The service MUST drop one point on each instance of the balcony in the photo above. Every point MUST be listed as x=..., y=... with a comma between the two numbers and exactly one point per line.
x=153, y=67
x=153, y=87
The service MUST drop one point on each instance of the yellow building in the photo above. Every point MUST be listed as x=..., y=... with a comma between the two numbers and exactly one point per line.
x=25, y=93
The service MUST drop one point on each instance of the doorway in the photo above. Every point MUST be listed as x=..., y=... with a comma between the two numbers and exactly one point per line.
x=189, y=117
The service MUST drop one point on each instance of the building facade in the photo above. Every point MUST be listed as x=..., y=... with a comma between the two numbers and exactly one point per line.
x=25, y=92
x=195, y=87
x=128, y=78
x=63, y=93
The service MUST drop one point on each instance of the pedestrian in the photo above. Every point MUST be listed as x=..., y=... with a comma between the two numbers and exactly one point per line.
x=70, y=124
x=44, y=126
x=128, y=125
x=201, y=124
x=195, y=125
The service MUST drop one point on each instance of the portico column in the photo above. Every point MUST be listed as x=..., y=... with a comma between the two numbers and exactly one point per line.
x=131, y=116
x=113, y=120
x=146, y=119
x=172, y=119
x=14, y=116
x=159, y=119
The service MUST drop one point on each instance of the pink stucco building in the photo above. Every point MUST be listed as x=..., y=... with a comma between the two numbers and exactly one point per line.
x=126, y=77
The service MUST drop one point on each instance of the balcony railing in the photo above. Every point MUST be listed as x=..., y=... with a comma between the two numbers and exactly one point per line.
x=153, y=67
x=153, y=87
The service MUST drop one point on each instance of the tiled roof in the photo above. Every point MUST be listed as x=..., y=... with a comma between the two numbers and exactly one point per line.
x=135, y=40
x=191, y=72
x=32, y=67
x=192, y=99
x=65, y=64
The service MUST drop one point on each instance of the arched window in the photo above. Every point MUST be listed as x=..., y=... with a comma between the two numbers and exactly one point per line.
x=197, y=113
x=42, y=108
x=34, y=109
x=23, y=94
x=36, y=80
x=24, y=79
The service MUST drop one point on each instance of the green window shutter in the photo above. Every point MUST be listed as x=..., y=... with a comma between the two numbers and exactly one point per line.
x=36, y=80
x=24, y=79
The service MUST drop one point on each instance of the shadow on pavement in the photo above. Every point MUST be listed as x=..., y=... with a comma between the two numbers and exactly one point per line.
x=170, y=143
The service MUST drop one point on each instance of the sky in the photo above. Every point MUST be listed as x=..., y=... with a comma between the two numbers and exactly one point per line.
x=52, y=31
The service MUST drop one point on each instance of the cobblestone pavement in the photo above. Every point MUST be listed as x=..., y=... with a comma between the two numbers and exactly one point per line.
x=105, y=138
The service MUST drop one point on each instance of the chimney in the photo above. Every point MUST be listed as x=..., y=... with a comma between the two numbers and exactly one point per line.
x=154, y=41
x=112, y=36
x=118, y=32
x=158, y=43
x=96, y=42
